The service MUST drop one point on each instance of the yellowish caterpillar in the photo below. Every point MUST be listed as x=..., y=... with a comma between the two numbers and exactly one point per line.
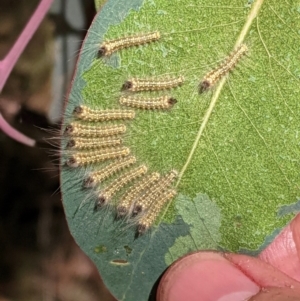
x=153, y=192
x=129, y=197
x=99, y=176
x=86, y=130
x=119, y=183
x=152, y=84
x=110, y=46
x=91, y=157
x=88, y=114
x=148, y=219
x=156, y=103
x=213, y=76
x=82, y=143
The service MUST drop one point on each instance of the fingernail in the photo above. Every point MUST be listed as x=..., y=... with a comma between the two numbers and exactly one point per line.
x=205, y=276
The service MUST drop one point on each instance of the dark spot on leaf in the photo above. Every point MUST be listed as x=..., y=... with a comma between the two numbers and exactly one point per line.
x=128, y=250
x=119, y=262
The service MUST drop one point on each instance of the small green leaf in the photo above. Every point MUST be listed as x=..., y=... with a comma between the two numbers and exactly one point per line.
x=236, y=146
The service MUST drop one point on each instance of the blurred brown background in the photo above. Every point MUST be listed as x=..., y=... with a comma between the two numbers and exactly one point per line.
x=39, y=259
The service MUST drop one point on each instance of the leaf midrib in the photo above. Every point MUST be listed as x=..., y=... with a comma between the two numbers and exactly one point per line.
x=252, y=15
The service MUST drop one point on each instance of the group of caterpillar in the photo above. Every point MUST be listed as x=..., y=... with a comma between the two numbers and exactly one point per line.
x=148, y=84
x=147, y=197
x=209, y=80
x=94, y=143
x=142, y=84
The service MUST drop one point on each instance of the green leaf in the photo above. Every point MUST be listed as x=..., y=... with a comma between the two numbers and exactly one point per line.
x=98, y=4
x=236, y=146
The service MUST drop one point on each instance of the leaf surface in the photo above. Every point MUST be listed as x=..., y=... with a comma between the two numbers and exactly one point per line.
x=236, y=146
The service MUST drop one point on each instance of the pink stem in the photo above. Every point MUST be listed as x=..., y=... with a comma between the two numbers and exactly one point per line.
x=13, y=133
x=7, y=64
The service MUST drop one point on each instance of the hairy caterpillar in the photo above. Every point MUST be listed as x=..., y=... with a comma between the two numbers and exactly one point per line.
x=83, y=143
x=152, y=84
x=120, y=182
x=128, y=199
x=110, y=46
x=88, y=114
x=86, y=158
x=98, y=176
x=153, y=192
x=213, y=76
x=150, y=216
x=163, y=102
x=86, y=130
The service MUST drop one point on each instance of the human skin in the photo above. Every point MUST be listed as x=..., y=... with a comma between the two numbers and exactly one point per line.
x=211, y=276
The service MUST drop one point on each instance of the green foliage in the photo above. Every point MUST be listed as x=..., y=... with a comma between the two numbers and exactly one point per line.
x=236, y=146
x=99, y=4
